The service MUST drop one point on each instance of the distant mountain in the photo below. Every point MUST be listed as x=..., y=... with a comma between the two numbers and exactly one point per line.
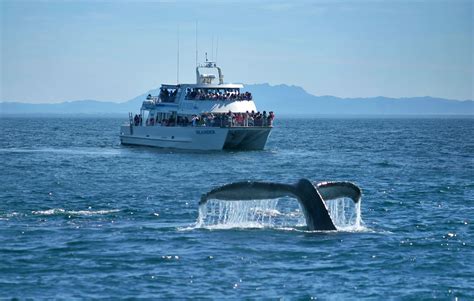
x=283, y=99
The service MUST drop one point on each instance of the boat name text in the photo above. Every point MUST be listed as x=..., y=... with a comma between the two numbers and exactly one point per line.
x=205, y=132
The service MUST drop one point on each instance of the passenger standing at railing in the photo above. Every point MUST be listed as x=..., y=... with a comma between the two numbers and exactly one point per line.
x=241, y=119
x=135, y=120
x=251, y=121
x=230, y=118
x=202, y=121
x=271, y=116
x=209, y=119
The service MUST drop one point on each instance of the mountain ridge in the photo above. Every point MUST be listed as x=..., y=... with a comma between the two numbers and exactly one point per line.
x=282, y=98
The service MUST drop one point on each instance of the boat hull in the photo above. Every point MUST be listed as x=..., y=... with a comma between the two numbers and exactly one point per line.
x=196, y=138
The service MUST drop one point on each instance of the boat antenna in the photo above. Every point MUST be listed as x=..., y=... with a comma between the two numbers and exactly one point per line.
x=212, y=49
x=217, y=48
x=177, y=62
x=196, y=43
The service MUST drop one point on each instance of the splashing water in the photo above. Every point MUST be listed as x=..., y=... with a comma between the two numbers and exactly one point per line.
x=345, y=215
x=274, y=213
x=248, y=214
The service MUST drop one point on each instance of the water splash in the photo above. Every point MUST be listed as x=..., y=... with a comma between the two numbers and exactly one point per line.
x=60, y=211
x=275, y=213
x=345, y=215
x=218, y=214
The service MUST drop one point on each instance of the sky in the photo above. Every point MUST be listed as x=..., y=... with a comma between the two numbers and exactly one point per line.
x=54, y=51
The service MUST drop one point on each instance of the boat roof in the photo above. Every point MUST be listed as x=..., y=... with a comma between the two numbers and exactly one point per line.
x=221, y=86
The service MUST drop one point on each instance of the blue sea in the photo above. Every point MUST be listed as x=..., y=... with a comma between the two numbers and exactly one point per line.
x=84, y=217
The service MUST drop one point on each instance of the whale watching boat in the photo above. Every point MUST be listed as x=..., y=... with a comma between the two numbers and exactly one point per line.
x=201, y=116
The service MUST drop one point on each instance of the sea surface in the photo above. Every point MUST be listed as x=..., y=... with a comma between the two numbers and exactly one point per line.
x=82, y=216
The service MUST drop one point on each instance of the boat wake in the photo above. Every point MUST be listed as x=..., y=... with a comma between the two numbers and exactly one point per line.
x=60, y=211
x=281, y=214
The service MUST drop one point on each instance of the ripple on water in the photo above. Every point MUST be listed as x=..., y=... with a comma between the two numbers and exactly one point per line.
x=78, y=214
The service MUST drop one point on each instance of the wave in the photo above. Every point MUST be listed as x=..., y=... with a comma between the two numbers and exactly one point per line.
x=7, y=216
x=69, y=151
x=60, y=211
x=256, y=225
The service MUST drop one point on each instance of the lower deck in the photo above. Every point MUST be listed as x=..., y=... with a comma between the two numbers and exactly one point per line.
x=196, y=138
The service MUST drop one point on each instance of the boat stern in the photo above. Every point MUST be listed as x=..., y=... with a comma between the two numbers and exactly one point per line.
x=247, y=138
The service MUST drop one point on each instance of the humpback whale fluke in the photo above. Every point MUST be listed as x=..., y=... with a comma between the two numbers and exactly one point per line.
x=337, y=190
x=310, y=196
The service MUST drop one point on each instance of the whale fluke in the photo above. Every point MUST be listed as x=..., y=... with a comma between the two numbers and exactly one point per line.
x=310, y=196
x=242, y=191
x=337, y=190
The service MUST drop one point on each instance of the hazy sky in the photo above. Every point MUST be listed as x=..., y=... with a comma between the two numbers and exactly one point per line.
x=54, y=51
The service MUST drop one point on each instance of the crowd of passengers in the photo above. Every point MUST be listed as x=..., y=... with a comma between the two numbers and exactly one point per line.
x=228, y=119
x=166, y=95
x=200, y=94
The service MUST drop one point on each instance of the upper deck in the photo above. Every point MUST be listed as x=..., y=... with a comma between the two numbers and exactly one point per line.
x=205, y=96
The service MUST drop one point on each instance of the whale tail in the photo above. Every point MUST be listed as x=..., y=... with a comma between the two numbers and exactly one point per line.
x=310, y=196
x=337, y=190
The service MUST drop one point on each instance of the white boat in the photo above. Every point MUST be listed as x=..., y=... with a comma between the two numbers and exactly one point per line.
x=201, y=116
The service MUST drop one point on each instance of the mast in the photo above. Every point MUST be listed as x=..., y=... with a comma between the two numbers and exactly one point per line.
x=217, y=49
x=196, y=43
x=177, y=62
x=197, y=71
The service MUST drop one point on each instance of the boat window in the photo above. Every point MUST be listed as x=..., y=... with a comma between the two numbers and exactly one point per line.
x=169, y=95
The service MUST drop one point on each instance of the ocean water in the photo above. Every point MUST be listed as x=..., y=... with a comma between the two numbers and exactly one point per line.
x=83, y=217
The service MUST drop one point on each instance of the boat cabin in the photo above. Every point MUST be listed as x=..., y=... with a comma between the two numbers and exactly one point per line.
x=205, y=103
